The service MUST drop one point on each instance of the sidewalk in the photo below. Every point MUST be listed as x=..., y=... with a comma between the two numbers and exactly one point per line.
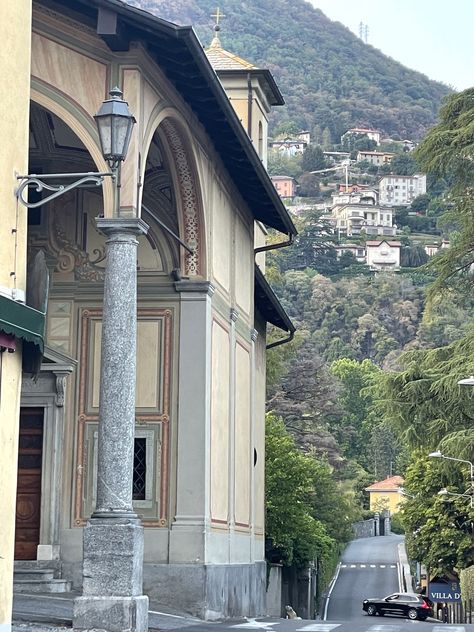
x=47, y=612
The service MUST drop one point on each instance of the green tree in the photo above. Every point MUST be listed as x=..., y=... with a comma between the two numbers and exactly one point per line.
x=351, y=430
x=403, y=165
x=447, y=153
x=438, y=529
x=313, y=158
x=290, y=485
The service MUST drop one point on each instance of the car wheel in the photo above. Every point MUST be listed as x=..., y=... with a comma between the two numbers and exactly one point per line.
x=371, y=610
x=412, y=614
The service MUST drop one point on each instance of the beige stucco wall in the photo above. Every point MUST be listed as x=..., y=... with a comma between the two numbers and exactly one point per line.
x=15, y=34
x=392, y=500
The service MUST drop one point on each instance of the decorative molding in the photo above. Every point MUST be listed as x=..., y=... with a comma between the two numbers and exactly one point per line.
x=192, y=220
x=253, y=335
x=234, y=315
x=85, y=416
x=60, y=388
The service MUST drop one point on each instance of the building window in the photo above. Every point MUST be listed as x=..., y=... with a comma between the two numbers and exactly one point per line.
x=139, y=469
x=260, y=139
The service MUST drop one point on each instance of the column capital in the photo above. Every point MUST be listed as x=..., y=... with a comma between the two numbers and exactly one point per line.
x=113, y=225
x=201, y=287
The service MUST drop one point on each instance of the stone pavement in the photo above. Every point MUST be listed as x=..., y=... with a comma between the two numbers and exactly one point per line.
x=49, y=612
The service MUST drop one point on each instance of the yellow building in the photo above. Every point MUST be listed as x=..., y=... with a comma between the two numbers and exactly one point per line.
x=202, y=311
x=386, y=494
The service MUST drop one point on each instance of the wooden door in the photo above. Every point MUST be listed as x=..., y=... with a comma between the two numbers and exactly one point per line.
x=28, y=498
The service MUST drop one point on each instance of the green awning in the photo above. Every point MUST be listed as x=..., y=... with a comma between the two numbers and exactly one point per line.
x=21, y=321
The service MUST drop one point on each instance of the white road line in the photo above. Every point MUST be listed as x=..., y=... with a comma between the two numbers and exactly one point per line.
x=393, y=566
x=174, y=616
x=253, y=624
x=382, y=565
x=331, y=587
x=353, y=565
x=319, y=627
x=372, y=566
x=386, y=628
x=362, y=566
x=343, y=565
x=448, y=628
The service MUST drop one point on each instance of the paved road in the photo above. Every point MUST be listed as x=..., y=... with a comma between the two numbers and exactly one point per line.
x=368, y=568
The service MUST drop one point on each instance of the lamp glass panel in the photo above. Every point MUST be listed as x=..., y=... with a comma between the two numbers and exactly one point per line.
x=119, y=136
x=104, y=124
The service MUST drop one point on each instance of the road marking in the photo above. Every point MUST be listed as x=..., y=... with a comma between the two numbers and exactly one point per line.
x=174, y=616
x=343, y=565
x=353, y=565
x=362, y=565
x=372, y=566
x=319, y=627
x=331, y=587
x=382, y=565
x=449, y=628
x=393, y=566
x=386, y=628
x=253, y=624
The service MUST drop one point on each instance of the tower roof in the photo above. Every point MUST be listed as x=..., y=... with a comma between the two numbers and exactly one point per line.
x=227, y=64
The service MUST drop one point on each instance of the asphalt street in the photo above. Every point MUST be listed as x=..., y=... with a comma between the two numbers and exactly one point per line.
x=368, y=568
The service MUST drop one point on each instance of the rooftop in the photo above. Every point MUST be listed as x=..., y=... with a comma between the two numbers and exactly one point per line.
x=390, y=484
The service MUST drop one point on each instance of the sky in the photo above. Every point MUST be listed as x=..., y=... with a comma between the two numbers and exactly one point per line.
x=435, y=37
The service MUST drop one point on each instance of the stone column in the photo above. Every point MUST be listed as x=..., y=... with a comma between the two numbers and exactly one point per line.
x=113, y=537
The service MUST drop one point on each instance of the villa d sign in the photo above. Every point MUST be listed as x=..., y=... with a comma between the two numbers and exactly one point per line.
x=445, y=593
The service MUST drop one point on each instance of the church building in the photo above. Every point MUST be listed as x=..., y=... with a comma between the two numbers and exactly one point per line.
x=195, y=174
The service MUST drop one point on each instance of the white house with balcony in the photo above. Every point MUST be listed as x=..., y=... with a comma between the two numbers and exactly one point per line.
x=352, y=219
x=383, y=254
x=401, y=190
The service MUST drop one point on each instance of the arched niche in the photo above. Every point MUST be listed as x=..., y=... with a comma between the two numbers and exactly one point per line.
x=182, y=211
x=65, y=228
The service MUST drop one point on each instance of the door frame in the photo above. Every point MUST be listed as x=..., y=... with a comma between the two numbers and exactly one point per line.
x=49, y=393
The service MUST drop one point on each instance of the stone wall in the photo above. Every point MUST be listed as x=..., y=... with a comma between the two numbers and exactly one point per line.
x=365, y=528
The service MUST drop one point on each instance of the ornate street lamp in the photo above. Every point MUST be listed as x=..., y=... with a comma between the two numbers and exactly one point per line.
x=115, y=124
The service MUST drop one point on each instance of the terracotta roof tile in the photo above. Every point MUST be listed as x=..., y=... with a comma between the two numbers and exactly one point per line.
x=390, y=484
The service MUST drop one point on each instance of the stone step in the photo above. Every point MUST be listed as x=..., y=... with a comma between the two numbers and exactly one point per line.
x=48, y=564
x=41, y=586
x=43, y=574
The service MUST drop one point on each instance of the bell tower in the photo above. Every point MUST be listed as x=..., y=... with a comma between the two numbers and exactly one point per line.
x=252, y=91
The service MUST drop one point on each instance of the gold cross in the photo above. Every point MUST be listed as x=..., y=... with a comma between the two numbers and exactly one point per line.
x=218, y=15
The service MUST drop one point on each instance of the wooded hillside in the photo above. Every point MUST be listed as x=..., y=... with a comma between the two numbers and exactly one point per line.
x=329, y=77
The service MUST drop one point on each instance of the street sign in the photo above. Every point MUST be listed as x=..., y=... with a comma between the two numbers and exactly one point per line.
x=444, y=592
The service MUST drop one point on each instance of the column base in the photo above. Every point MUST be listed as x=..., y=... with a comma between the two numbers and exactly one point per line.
x=113, y=558
x=114, y=614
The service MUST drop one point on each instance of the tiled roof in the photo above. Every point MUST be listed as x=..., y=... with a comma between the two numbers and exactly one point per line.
x=221, y=59
x=390, y=484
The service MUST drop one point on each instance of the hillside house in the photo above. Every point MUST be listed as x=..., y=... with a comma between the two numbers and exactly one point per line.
x=401, y=190
x=386, y=494
x=285, y=186
x=377, y=158
x=383, y=254
x=372, y=134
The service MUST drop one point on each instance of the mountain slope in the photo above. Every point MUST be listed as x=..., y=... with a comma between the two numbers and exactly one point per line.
x=328, y=76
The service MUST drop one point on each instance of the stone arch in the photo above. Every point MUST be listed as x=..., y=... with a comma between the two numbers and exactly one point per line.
x=82, y=124
x=176, y=138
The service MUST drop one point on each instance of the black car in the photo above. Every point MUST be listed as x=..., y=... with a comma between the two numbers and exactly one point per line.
x=406, y=604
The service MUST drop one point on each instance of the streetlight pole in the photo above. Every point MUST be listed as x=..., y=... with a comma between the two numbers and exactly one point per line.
x=443, y=492
x=112, y=596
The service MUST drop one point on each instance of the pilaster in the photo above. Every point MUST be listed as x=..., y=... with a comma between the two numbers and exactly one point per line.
x=188, y=531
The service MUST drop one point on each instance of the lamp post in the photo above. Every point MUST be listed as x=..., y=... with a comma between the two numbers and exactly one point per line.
x=444, y=492
x=112, y=597
x=113, y=537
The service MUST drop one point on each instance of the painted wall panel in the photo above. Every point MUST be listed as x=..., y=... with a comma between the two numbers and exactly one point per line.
x=242, y=436
x=220, y=424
